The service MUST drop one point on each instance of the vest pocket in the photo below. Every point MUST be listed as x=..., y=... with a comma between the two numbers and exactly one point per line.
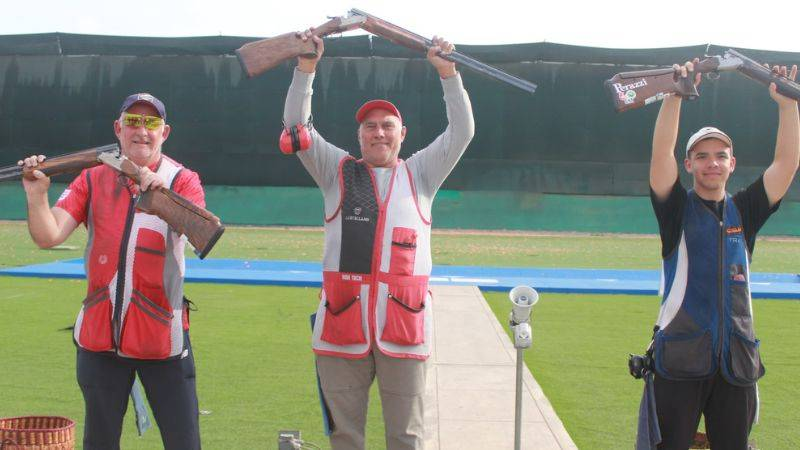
x=404, y=251
x=146, y=333
x=148, y=266
x=745, y=360
x=740, y=309
x=405, y=313
x=95, y=333
x=343, y=324
x=685, y=356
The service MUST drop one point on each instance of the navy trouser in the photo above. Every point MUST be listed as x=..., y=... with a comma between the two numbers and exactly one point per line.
x=729, y=412
x=106, y=382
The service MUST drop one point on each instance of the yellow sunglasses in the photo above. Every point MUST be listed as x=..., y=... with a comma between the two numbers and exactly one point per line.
x=137, y=120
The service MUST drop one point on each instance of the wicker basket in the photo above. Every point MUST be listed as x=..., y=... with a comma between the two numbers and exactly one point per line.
x=37, y=433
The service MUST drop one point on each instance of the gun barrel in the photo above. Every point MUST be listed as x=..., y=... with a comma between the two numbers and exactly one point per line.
x=68, y=162
x=10, y=173
x=493, y=72
x=757, y=72
x=409, y=39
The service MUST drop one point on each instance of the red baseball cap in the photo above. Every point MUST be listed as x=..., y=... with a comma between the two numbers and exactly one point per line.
x=377, y=104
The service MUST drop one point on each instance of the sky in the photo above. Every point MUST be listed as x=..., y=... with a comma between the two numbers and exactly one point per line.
x=610, y=24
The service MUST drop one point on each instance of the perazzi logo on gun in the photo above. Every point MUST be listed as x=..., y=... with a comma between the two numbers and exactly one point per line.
x=631, y=90
x=259, y=56
x=201, y=227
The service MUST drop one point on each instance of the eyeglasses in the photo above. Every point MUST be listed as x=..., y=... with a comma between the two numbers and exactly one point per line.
x=137, y=120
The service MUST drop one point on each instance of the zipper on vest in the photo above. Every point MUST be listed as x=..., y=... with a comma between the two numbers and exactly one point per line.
x=721, y=292
x=123, y=254
x=377, y=246
x=377, y=250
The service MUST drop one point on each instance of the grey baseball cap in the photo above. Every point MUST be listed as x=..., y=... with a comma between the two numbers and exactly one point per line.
x=708, y=133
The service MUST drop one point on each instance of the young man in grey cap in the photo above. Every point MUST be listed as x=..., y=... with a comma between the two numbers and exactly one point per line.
x=133, y=319
x=706, y=354
x=374, y=318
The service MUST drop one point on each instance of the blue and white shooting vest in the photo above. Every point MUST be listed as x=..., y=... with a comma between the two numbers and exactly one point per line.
x=706, y=319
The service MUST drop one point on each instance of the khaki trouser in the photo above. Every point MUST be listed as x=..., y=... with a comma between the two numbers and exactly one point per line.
x=401, y=382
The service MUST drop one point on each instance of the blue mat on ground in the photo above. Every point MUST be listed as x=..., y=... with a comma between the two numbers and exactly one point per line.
x=292, y=273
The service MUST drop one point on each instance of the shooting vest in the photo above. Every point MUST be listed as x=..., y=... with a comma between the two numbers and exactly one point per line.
x=706, y=318
x=378, y=261
x=134, y=268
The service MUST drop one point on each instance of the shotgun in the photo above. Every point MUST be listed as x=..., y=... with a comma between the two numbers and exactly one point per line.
x=201, y=227
x=259, y=56
x=631, y=90
x=67, y=163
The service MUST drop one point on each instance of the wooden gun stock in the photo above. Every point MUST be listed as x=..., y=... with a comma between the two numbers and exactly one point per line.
x=57, y=165
x=201, y=227
x=630, y=90
x=258, y=57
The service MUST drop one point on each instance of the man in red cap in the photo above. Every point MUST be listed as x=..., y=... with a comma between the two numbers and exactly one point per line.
x=374, y=317
x=134, y=317
x=705, y=352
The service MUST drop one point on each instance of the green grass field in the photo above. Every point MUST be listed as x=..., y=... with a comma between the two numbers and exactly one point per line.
x=255, y=367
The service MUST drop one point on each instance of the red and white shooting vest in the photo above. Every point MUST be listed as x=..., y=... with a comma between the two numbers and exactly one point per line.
x=377, y=293
x=134, y=268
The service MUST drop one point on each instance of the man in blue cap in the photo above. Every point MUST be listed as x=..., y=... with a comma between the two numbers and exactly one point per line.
x=134, y=318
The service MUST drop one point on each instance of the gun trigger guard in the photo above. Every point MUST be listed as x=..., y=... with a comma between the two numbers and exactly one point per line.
x=712, y=75
x=138, y=203
x=685, y=87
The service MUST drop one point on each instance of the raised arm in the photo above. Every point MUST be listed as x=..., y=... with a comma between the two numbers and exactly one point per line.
x=48, y=226
x=432, y=164
x=321, y=160
x=297, y=108
x=663, y=165
x=779, y=175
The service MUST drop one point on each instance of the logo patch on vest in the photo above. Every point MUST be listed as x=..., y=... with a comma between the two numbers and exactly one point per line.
x=357, y=216
x=734, y=230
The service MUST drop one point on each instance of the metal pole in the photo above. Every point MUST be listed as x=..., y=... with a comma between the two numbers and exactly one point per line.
x=523, y=298
x=518, y=403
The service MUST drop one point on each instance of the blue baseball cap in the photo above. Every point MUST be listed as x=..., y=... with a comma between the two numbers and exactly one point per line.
x=144, y=97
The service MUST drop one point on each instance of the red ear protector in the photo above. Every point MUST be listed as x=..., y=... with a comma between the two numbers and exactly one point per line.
x=295, y=138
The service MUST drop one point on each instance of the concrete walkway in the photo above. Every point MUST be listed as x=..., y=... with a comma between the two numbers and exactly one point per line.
x=469, y=402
